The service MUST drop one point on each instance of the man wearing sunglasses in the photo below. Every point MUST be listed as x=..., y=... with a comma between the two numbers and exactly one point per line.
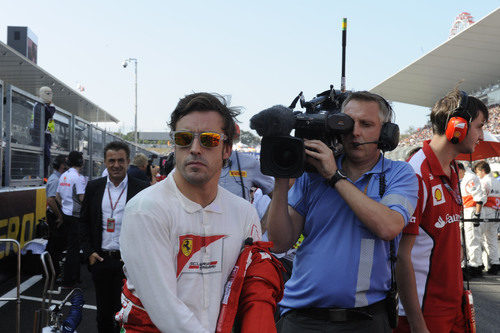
x=181, y=237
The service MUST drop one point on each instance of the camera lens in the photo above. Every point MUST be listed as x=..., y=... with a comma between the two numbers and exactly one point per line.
x=284, y=157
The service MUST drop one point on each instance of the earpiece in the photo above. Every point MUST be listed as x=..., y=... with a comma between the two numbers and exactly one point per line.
x=456, y=129
x=389, y=134
x=457, y=124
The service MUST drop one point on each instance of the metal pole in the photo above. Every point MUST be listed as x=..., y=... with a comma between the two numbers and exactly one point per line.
x=344, y=38
x=135, y=127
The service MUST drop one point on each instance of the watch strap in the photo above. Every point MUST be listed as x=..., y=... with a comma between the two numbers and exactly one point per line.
x=338, y=175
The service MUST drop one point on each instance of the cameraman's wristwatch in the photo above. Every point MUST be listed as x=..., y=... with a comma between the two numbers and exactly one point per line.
x=338, y=175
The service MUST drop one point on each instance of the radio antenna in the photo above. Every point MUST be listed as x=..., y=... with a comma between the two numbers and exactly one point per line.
x=344, y=37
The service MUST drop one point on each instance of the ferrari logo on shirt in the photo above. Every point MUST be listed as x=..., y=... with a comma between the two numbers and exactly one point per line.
x=187, y=246
x=236, y=173
x=437, y=195
x=191, y=260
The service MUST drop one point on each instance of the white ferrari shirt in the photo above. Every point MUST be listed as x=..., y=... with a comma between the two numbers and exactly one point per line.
x=178, y=255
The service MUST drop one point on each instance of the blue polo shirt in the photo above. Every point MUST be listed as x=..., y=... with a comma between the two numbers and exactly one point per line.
x=341, y=263
x=250, y=174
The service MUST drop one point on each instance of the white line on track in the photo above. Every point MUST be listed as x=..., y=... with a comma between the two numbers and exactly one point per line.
x=38, y=299
x=24, y=286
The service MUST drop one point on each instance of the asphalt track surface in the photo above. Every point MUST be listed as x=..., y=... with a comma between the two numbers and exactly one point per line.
x=486, y=292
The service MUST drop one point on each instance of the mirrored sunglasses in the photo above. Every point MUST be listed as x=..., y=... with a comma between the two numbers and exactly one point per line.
x=207, y=139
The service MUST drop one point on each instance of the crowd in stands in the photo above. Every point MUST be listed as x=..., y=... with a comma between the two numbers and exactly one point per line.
x=425, y=133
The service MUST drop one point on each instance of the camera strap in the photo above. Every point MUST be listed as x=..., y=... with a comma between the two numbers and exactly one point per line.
x=241, y=177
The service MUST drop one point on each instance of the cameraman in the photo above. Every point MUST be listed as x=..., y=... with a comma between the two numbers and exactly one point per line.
x=341, y=272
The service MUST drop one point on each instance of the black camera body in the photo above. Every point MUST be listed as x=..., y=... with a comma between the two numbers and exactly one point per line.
x=282, y=155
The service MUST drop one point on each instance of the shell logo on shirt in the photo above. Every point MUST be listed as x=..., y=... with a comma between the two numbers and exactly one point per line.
x=437, y=195
x=191, y=260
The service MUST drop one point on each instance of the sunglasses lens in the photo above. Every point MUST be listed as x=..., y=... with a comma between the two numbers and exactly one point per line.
x=209, y=140
x=183, y=138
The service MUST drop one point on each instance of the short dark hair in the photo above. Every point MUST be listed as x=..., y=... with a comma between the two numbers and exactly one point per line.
x=75, y=159
x=483, y=166
x=460, y=165
x=117, y=145
x=447, y=107
x=58, y=161
x=206, y=102
x=386, y=113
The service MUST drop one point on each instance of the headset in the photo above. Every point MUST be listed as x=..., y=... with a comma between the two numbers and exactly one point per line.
x=389, y=133
x=457, y=126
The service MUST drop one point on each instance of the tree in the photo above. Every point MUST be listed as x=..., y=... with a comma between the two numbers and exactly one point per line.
x=249, y=139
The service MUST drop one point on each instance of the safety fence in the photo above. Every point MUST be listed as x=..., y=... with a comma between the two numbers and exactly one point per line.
x=22, y=139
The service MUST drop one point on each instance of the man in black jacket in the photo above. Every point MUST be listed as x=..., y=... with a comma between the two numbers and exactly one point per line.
x=101, y=222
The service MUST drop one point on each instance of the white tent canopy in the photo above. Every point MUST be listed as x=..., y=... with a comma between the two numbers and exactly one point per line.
x=472, y=55
x=20, y=72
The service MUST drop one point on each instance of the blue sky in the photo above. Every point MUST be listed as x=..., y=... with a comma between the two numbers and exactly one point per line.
x=261, y=53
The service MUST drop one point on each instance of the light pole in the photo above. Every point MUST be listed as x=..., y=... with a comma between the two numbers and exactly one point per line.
x=125, y=64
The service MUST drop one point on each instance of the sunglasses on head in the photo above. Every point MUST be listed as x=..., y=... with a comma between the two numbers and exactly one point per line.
x=207, y=139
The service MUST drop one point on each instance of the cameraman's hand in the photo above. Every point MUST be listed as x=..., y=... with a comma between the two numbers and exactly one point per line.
x=321, y=157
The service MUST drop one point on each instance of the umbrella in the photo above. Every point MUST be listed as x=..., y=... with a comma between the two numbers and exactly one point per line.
x=489, y=147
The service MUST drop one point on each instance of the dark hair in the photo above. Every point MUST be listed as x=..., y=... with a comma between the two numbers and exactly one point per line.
x=58, y=161
x=460, y=165
x=483, y=166
x=386, y=113
x=412, y=152
x=447, y=107
x=75, y=159
x=206, y=102
x=117, y=145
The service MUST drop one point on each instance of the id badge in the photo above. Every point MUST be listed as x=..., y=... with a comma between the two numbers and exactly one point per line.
x=110, y=225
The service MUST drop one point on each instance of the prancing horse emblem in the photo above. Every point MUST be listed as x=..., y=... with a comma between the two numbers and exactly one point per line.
x=187, y=246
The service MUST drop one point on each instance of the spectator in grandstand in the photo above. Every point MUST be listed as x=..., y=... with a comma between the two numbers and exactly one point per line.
x=181, y=238
x=341, y=273
x=48, y=109
x=57, y=239
x=242, y=172
x=429, y=253
x=137, y=168
x=70, y=193
x=101, y=222
x=473, y=198
x=491, y=210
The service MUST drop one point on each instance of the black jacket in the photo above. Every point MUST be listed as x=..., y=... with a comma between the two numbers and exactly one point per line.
x=91, y=213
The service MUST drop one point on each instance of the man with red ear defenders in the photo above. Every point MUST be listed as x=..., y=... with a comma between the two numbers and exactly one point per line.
x=428, y=269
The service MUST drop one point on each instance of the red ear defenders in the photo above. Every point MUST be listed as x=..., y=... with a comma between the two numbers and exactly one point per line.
x=456, y=129
x=457, y=126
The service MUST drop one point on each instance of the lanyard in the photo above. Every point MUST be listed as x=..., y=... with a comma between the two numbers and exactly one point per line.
x=116, y=203
x=454, y=194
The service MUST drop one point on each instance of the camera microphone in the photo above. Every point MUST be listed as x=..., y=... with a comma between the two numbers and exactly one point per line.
x=278, y=120
x=357, y=144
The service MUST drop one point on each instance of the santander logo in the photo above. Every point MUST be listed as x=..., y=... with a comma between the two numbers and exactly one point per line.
x=449, y=219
